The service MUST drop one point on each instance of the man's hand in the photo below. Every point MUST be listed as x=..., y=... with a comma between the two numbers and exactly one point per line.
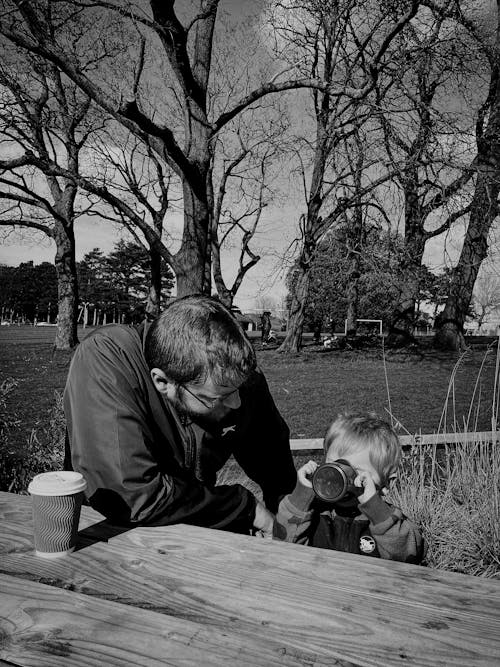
x=306, y=471
x=264, y=521
x=365, y=481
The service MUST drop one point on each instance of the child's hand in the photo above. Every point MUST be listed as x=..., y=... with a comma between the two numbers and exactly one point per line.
x=365, y=480
x=306, y=471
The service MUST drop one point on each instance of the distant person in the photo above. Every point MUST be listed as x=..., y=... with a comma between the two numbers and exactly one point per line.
x=153, y=413
x=361, y=521
x=271, y=337
x=265, y=321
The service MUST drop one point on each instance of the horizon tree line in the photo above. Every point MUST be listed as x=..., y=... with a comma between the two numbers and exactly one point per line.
x=113, y=287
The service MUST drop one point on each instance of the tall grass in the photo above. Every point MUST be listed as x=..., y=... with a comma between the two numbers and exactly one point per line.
x=453, y=491
x=453, y=494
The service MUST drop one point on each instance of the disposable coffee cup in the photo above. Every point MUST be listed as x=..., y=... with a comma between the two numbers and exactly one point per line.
x=57, y=500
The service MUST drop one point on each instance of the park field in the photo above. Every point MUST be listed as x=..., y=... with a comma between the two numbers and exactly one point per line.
x=310, y=388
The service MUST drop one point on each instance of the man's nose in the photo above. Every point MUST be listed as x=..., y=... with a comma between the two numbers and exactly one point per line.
x=233, y=400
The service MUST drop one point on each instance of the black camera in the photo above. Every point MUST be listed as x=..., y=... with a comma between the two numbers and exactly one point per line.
x=333, y=481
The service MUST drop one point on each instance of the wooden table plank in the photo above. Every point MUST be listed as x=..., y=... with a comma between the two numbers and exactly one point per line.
x=44, y=626
x=315, y=602
x=183, y=543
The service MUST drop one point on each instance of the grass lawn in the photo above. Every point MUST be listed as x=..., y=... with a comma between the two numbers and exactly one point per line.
x=312, y=388
x=309, y=388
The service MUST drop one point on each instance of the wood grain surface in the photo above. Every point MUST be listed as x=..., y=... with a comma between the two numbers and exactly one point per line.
x=273, y=603
x=49, y=626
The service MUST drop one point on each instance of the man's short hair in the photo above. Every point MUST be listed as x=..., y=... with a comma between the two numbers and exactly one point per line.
x=196, y=337
x=356, y=431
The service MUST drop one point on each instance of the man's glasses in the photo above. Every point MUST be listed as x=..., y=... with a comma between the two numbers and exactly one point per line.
x=210, y=404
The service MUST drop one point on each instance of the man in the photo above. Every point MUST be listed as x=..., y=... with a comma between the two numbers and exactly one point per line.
x=265, y=320
x=152, y=415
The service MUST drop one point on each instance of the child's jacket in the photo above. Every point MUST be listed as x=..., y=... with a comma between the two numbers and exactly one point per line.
x=379, y=529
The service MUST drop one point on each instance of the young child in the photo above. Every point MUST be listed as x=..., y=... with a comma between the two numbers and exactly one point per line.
x=361, y=524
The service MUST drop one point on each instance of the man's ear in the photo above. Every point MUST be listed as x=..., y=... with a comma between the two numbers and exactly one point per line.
x=161, y=382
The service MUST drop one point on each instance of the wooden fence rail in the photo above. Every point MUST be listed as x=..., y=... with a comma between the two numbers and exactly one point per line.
x=409, y=440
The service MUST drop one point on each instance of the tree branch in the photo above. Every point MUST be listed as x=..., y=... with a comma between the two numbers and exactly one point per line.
x=446, y=193
x=30, y=223
x=116, y=202
x=127, y=113
x=352, y=93
x=453, y=217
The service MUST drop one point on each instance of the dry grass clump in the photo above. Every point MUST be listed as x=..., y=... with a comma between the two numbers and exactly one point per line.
x=453, y=491
x=453, y=494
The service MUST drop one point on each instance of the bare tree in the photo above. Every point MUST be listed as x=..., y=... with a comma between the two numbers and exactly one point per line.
x=245, y=169
x=345, y=43
x=486, y=297
x=42, y=117
x=185, y=50
x=484, y=204
x=137, y=189
x=427, y=145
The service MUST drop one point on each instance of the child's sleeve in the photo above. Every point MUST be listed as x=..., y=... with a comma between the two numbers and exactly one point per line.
x=294, y=517
x=396, y=536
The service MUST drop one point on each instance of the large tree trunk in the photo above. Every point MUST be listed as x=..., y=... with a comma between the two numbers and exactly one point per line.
x=484, y=210
x=191, y=261
x=67, y=287
x=355, y=245
x=299, y=297
x=450, y=322
x=402, y=323
x=225, y=295
x=353, y=296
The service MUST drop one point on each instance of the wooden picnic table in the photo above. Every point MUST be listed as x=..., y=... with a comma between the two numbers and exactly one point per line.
x=184, y=595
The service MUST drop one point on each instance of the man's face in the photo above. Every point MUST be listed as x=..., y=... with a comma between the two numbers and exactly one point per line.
x=209, y=401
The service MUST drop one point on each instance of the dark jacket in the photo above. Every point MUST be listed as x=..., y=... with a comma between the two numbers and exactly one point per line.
x=375, y=528
x=126, y=441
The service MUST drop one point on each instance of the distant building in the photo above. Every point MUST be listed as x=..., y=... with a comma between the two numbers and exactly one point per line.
x=277, y=323
x=248, y=322
x=490, y=327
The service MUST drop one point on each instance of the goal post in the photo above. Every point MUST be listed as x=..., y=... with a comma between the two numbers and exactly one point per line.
x=379, y=322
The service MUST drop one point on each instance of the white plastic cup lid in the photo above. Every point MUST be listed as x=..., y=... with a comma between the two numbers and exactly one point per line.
x=57, y=483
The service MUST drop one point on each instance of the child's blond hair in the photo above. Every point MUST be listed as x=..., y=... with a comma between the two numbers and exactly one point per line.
x=355, y=431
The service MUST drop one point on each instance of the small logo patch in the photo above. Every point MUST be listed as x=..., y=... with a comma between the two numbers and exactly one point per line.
x=228, y=429
x=367, y=544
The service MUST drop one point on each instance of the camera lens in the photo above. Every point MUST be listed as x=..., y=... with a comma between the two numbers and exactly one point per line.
x=330, y=482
